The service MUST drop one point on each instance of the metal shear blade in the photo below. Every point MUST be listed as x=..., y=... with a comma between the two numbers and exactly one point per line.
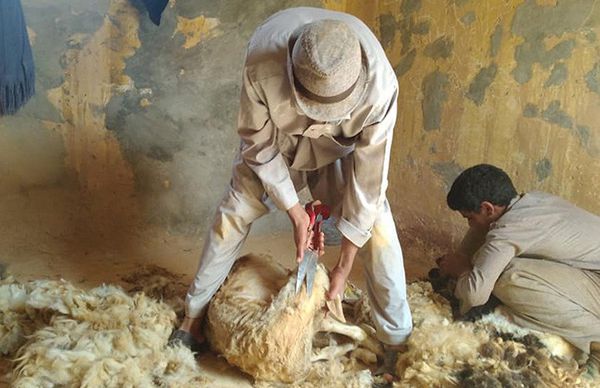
x=307, y=270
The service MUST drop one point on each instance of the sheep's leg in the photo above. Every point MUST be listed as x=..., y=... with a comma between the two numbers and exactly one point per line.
x=364, y=355
x=332, y=352
x=329, y=324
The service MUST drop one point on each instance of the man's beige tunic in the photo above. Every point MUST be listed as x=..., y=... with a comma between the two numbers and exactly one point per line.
x=280, y=144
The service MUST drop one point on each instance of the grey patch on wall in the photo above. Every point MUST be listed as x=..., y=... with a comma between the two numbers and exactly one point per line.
x=468, y=18
x=535, y=22
x=407, y=25
x=447, y=171
x=592, y=79
x=159, y=153
x=480, y=83
x=531, y=110
x=434, y=96
x=387, y=29
x=421, y=28
x=460, y=3
x=558, y=76
x=583, y=133
x=591, y=37
x=410, y=6
x=440, y=48
x=543, y=169
x=532, y=51
x=553, y=114
x=405, y=63
x=195, y=8
x=141, y=130
x=54, y=23
x=496, y=40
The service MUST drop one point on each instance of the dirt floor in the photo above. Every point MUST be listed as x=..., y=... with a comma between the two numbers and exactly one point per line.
x=38, y=240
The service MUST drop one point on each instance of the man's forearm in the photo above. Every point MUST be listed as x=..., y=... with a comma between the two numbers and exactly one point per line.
x=348, y=252
x=339, y=274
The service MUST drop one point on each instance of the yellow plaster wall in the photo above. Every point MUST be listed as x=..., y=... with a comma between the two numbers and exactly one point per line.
x=534, y=148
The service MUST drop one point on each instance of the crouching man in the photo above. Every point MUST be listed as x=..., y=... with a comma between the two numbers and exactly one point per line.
x=537, y=253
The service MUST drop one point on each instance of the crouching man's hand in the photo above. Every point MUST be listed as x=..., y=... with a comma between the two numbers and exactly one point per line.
x=454, y=264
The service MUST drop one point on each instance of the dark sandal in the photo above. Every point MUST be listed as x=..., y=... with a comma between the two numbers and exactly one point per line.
x=187, y=340
x=387, y=368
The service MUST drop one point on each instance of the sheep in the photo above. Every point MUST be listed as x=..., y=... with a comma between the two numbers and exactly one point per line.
x=258, y=323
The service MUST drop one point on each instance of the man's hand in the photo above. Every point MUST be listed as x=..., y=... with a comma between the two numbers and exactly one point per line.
x=454, y=264
x=301, y=223
x=303, y=234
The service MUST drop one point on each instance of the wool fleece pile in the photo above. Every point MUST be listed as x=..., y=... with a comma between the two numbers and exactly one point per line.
x=60, y=335
x=56, y=334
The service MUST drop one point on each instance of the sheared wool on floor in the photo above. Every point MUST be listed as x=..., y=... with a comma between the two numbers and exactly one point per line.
x=490, y=352
x=58, y=334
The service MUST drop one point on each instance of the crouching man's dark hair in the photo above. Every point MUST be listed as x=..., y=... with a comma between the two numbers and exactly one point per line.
x=480, y=183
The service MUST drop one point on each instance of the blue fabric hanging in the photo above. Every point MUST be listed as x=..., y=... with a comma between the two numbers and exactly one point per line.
x=155, y=9
x=17, y=76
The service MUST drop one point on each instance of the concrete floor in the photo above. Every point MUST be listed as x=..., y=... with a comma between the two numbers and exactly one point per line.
x=38, y=240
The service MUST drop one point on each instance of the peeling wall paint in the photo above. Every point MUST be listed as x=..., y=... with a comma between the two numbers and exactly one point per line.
x=197, y=29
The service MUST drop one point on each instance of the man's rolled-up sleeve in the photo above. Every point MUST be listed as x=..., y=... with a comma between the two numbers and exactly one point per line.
x=367, y=180
x=259, y=147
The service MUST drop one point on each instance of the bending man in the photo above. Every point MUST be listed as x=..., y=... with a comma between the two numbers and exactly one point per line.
x=317, y=113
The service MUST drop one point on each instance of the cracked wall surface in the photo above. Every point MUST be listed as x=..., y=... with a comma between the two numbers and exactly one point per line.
x=139, y=121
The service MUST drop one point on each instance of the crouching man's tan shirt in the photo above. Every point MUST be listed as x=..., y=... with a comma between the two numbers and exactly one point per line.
x=280, y=143
x=536, y=225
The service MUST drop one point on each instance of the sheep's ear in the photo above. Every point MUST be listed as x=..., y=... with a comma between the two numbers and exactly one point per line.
x=334, y=306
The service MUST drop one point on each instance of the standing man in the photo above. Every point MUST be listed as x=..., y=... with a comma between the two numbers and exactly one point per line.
x=537, y=253
x=317, y=113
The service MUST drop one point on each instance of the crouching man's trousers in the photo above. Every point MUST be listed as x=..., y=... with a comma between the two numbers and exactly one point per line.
x=553, y=297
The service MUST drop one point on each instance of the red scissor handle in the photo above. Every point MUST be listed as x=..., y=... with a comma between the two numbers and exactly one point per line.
x=313, y=212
